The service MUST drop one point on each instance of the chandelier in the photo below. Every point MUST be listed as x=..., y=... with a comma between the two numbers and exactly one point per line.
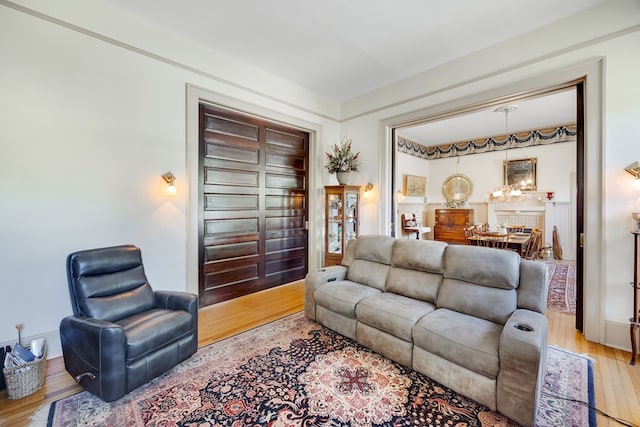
x=507, y=193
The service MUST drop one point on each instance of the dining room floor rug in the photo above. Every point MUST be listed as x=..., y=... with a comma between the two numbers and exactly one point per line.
x=562, y=286
x=294, y=372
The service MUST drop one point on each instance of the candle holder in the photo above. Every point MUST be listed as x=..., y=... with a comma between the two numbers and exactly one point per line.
x=19, y=327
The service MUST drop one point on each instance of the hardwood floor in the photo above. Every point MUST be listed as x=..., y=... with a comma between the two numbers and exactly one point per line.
x=617, y=384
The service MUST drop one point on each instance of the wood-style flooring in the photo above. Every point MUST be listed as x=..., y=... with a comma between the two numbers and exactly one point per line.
x=617, y=384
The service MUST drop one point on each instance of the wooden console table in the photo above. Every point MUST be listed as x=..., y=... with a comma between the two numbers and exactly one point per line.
x=634, y=321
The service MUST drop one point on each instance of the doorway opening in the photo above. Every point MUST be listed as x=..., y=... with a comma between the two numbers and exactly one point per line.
x=452, y=131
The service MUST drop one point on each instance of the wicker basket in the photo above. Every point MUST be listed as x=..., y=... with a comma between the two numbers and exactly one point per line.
x=26, y=379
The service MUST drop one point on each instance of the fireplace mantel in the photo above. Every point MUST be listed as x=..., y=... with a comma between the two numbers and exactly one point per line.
x=536, y=211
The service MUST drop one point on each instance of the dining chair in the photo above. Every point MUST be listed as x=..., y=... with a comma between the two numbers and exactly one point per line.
x=469, y=232
x=493, y=240
x=531, y=250
x=515, y=228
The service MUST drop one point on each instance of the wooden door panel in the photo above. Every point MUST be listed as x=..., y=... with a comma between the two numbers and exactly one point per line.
x=231, y=202
x=284, y=265
x=285, y=243
x=241, y=128
x=285, y=161
x=292, y=201
x=230, y=250
x=235, y=226
x=294, y=141
x=230, y=153
x=253, y=205
x=230, y=279
x=234, y=178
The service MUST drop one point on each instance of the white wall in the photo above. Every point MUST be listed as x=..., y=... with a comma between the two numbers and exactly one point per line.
x=88, y=123
x=556, y=168
x=603, y=44
x=555, y=164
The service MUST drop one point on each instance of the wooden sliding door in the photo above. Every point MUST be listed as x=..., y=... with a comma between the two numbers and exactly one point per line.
x=253, y=204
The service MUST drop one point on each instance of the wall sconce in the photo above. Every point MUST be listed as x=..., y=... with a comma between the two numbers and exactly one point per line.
x=367, y=189
x=634, y=169
x=400, y=196
x=169, y=178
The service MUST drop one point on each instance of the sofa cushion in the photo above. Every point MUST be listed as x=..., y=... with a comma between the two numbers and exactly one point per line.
x=462, y=339
x=153, y=329
x=368, y=273
x=392, y=313
x=414, y=284
x=496, y=268
x=484, y=302
x=423, y=255
x=343, y=296
x=371, y=260
x=374, y=248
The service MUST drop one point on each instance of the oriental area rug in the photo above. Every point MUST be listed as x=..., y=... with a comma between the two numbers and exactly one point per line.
x=294, y=372
x=562, y=286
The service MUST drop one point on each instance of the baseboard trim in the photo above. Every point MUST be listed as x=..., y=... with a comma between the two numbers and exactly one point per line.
x=54, y=349
x=617, y=335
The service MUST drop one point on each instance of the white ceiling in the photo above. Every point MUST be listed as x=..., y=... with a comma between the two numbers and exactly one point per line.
x=532, y=113
x=345, y=48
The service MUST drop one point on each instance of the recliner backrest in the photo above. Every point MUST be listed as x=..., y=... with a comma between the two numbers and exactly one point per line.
x=108, y=283
x=417, y=267
x=371, y=260
x=480, y=282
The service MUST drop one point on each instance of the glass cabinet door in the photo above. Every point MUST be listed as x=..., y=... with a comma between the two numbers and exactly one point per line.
x=351, y=216
x=334, y=223
x=342, y=205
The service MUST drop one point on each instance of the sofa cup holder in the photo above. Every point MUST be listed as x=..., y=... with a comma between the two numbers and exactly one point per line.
x=523, y=327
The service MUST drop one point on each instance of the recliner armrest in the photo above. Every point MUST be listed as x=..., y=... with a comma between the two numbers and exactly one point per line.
x=98, y=347
x=523, y=353
x=174, y=300
x=316, y=279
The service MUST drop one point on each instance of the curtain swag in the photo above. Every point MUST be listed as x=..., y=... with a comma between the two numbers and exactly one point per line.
x=529, y=138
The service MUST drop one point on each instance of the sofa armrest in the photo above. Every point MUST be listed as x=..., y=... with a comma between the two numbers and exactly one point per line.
x=317, y=278
x=95, y=347
x=523, y=353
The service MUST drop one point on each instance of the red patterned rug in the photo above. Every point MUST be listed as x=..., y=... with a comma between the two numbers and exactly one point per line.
x=562, y=287
x=293, y=372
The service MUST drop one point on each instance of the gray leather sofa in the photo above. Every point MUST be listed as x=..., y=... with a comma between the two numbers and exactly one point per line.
x=471, y=318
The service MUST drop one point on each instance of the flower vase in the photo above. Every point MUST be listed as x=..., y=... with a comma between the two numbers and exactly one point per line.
x=343, y=177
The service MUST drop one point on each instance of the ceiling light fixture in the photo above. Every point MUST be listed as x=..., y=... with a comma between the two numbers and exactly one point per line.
x=507, y=193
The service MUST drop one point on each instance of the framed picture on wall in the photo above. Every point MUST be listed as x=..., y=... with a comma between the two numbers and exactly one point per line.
x=521, y=174
x=415, y=186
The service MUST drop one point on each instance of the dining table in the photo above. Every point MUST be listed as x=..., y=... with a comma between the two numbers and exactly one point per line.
x=515, y=241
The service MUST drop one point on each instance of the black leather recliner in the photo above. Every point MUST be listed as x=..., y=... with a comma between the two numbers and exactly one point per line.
x=122, y=333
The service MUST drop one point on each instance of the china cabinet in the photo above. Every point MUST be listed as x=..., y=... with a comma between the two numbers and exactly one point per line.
x=341, y=220
x=634, y=322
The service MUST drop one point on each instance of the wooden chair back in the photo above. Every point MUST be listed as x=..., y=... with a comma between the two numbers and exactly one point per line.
x=533, y=245
x=493, y=240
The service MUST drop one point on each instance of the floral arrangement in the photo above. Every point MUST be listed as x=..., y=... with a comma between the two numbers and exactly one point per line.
x=343, y=159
